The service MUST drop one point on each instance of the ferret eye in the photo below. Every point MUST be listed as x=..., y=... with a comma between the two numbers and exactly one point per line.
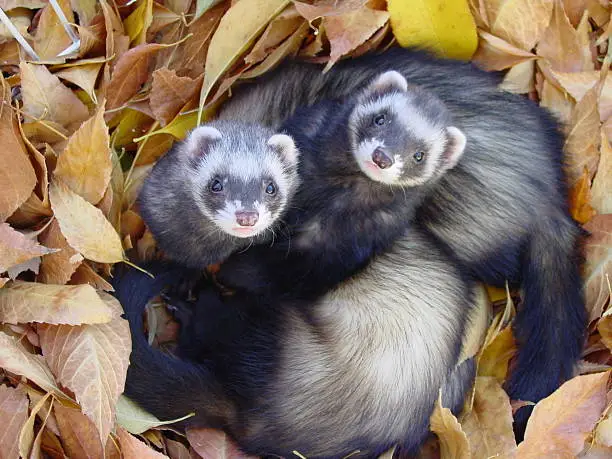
x=379, y=120
x=418, y=156
x=271, y=189
x=216, y=186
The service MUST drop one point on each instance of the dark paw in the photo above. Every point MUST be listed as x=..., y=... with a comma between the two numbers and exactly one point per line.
x=520, y=422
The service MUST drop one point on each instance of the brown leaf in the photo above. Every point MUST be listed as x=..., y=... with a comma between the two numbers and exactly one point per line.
x=84, y=226
x=17, y=176
x=92, y=361
x=130, y=73
x=162, y=17
x=45, y=97
x=79, y=434
x=58, y=268
x=598, y=266
x=85, y=165
x=176, y=450
x=84, y=76
x=15, y=358
x=489, y=425
x=14, y=413
x=453, y=440
x=560, y=43
x=602, y=183
x=212, y=443
x=51, y=37
x=604, y=326
x=579, y=199
x=520, y=22
x=169, y=93
x=16, y=248
x=132, y=448
x=493, y=53
x=86, y=275
x=561, y=422
x=23, y=302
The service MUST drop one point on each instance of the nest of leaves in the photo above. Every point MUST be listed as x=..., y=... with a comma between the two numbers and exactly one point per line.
x=88, y=108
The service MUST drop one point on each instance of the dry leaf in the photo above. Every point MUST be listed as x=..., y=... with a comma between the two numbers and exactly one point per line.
x=45, y=97
x=58, y=268
x=170, y=93
x=561, y=422
x=51, y=37
x=16, y=248
x=453, y=440
x=602, y=183
x=79, y=434
x=14, y=413
x=557, y=102
x=579, y=199
x=86, y=275
x=176, y=450
x=84, y=76
x=132, y=448
x=598, y=266
x=84, y=226
x=493, y=53
x=85, y=165
x=139, y=21
x=604, y=326
x=17, y=176
x=23, y=302
x=29, y=446
x=92, y=361
x=520, y=78
x=578, y=84
x=212, y=443
x=520, y=22
x=496, y=356
x=489, y=425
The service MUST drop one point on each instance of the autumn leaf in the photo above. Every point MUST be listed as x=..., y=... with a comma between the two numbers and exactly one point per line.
x=85, y=274
x=496, y=355
x=493, y=53
x=602, y=183
x=85, y=165
x=14, y=413
x=580, y=198
x=138, y=22
x=453, y=440
x=51, y=37
x=520, y=22
x=598, y=267
x=23, y=302
x=211, y=443
x=135, y=420
x=132, y=448
x=84, y=226
x=84, y=76
x=170, y=93
x=16, y=248
x=561, y=422
x=58, y=267
x=79, y=435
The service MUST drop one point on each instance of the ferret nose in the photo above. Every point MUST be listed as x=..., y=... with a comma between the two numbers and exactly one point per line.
x=247, y=217
x=381, y=159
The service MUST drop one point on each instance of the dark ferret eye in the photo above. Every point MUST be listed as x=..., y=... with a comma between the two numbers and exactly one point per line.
x=418, y=156
x=216, y=186
x=379, y=120
x=271, y=189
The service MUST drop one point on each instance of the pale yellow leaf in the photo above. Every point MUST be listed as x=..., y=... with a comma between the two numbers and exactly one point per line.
x=132, y=448
x=602, y=183
x=598, y=266
x=453, y=440
x=84, y=76
x=520, y=22
x=17, y=248
x=57, y=268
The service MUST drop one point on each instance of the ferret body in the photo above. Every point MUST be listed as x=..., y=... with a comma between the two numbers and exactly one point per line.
x=222, y=189
x=502, y=210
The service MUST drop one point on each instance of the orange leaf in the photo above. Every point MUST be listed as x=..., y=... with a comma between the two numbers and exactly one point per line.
x=579, y=199
x=16, y=248
x=57, y=268
x=79, y=435
x=132, y=448
x=14, y=413
x=170, y=93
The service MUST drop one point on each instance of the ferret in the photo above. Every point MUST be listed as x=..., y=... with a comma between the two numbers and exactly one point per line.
x=360, y=187
x=353, y=372
x=501, y=210
x=222, y=189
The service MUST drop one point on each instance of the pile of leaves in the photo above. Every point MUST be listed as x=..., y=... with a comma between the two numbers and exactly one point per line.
x=80, y=131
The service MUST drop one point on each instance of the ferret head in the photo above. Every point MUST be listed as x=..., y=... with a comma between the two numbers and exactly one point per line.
x=401, y=135
x=243, y=176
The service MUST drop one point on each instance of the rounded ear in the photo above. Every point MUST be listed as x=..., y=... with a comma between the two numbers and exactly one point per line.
x=201, y=138
x=285, y=147
x=389, y=81
x=455, y=147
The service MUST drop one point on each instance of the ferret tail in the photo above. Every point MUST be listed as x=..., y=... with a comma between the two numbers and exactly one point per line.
x=550, y=326
x=167, y=387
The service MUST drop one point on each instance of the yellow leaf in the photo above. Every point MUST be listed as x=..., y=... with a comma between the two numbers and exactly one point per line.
x=85, y=165
x=560, y=43
x=445, y=26
x=51, y=37
x=453, y=441
x=496, y=54
x=602, y=184
x=496, y=355
x=16, y=248
x=598, y=266
x=84, y=76
x=179, y=126
x=520, y=22
x=84, y=226
x=242, y=23
x=137, y=23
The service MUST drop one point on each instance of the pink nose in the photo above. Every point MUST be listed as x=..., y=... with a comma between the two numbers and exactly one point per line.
x=381, y=159
x=247, y=217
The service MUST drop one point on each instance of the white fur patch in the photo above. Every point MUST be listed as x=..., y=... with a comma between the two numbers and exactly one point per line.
x=226, y=220
x=202, y=134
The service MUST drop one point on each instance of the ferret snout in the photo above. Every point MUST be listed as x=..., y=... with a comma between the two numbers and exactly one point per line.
x=381, y=159
x=247, y=217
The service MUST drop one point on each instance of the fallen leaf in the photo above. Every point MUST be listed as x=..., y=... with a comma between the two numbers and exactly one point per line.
x=238, y=27
x=139, y=21
x=84, y=226
x=84, y=76
x=92, y=361
x=86, y=275
x=489, y=425
x=496, y=356
x=28, y=446
x=17, y=176
x=79, y=434
x=520, y=22
x=45, y=97
x=574, y=10
x=561, y=422
x=445, y=26
x=16, y=248
x=169, y=93
x=212, y=443
x=202, y=6
x=135, y=420
x=85, y=165
x=45, y=411
x=598, y=266
x=493, y=53
x=520, y=78
x=132, y=448
x=604, y=326
x=453, y=440
x=58, y=268
x=86, y=9
x=557, y=102
x=15, y=358
x=578, y=84
x=579, y=199
x=602, y=183
x=14, y=413
x=51, y=37
x=162, y=17
x=23, y=302
x=176, y=450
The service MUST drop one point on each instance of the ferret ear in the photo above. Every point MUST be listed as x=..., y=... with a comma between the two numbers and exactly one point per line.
x=389, y=81
x=285, y=147
x=201, y=138
x=455, y=147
